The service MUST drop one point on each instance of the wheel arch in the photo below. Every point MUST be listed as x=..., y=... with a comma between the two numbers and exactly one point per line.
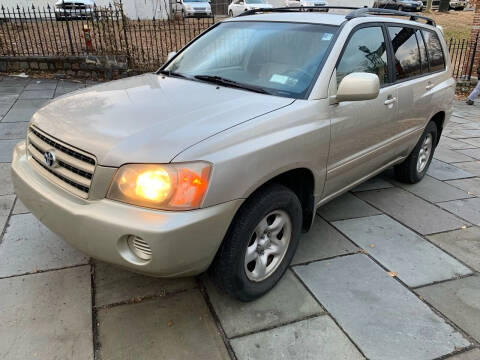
x=439, y=120
x=302, y=182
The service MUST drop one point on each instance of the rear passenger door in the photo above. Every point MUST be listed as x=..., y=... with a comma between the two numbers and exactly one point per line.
x=413, y=78
x=361, y=130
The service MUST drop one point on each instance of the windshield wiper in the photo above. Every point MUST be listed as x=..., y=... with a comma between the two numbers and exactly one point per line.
x=173, y=74
x=231, y=83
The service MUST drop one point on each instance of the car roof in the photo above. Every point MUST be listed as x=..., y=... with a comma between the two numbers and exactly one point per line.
x=322, y=18
x=301, y=17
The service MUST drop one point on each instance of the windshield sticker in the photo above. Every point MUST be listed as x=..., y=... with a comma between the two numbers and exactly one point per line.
x=280, y=79
x=327, y=36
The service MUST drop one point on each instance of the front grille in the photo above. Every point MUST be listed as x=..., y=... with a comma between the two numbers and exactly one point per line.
x=73, y=6
x=199, y=8
x=73, y=170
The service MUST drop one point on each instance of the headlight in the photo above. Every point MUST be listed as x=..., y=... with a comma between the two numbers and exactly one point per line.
x=188, y=7
x=167, y=187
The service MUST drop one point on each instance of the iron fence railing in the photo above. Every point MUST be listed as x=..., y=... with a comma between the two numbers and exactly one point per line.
x=72, y=30
x=462, y=55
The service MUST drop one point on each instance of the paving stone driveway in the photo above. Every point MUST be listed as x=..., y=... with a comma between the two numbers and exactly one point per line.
x=389, y=271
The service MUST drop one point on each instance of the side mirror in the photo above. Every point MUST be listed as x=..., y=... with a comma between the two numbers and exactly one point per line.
x=171, y=55
x=358, y=86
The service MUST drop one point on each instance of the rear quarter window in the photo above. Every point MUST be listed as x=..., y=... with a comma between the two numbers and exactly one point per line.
x=435, y=51
x=406, y=52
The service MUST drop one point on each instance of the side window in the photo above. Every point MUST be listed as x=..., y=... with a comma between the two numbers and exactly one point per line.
x=435, y=51
x=365, y=52
x=423, y=52
x=405, y=49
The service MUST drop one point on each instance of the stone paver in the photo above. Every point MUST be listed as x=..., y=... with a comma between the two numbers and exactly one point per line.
x=317, y=338
x=42, y=84
x=346, y=206
x=37, y=94
x=473, y=141
x=6, y=203
x=375, y=183
x=473, y=153
x=382, y=317
x=453, y=144
x=459, y=300
x=19, y=208
x=6, y=186
x=472, y=167
x=443, y=171
x=28, y=246
x=468, y=355
x=450, y=156
x=23, y=110
x=461, y=134
x=463, y=244
x=471, y=185
x=114, y=285
x=175, y=327
x=12, y=131
x=434, y=190
x=286, y=302
x=322, y=241
x=412, y=211
x=400, y=250
x=47, y=316
x=468, y=209
x=6, y=150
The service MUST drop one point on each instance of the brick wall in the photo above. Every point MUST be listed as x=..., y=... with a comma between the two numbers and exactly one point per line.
x=473, y=35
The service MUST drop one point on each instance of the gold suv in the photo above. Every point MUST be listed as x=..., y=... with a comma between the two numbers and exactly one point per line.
x=221, y=158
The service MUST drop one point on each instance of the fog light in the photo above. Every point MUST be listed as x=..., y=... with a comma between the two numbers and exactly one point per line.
x=139, y=247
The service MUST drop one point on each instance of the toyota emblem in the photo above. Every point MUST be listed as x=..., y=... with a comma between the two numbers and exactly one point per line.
x=49, y=157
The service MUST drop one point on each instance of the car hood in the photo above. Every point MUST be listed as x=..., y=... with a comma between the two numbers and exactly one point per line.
x=198, y=4
x=148, y=118
x=260, y=6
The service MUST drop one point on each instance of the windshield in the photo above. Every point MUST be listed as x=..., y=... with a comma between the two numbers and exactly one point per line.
x=188, y=1
x=254, y=2
x=278, y=58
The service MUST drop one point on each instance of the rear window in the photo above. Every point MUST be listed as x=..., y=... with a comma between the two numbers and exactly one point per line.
x=435, y=51
x=406, y=53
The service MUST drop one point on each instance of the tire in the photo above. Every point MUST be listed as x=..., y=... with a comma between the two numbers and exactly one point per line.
x=410, y=171
x=400, y=8
x=230, y=270
x=230, y=13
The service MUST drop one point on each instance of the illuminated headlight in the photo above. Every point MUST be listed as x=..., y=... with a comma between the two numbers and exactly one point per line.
x=166, y=187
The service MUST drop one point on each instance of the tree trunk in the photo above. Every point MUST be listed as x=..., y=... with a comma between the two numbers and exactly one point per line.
x=444, y=5
x=429, y=5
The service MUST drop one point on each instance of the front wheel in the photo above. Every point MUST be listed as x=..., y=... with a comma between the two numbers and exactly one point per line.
x=400, y=8
x=260, y=243
x=415, y=166
x=230, y=13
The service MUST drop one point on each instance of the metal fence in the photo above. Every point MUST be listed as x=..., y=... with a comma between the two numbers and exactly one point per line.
x=97, y=31
x=462, y=55
x=108, y=31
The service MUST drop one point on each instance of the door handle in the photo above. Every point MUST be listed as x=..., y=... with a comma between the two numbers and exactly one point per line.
x=390, y=100
x=429, y=86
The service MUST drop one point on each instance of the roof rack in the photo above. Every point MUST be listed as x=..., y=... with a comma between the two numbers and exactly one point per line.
x=357, y=12
x=378, y=11
x=297, y=9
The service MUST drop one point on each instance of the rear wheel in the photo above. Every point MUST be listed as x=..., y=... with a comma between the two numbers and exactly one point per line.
x=230, y=13
x=260, y=243
x=413, y=169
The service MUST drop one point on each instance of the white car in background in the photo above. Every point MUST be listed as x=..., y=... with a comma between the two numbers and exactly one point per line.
x=237, y=7
x=192, y=8
x=300, y=3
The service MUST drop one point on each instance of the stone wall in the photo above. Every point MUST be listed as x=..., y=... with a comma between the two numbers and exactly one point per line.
x=88, y=67
x=473, y=36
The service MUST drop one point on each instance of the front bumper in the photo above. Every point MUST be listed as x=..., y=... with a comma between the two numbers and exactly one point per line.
x=198, y=13
x=182, y=243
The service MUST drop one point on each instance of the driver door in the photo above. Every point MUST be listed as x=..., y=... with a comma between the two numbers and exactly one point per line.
x=361, y=131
